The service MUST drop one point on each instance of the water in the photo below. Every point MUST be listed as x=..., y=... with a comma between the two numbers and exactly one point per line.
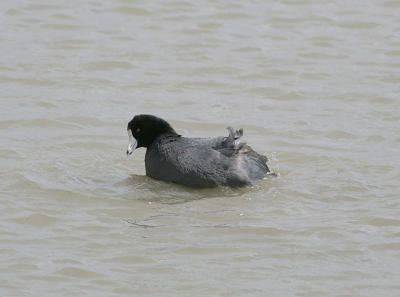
x=315, y=85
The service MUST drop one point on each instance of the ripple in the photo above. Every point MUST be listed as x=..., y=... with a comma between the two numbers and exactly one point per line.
x=27, y=81
x=339, y=134
x=44, y=7
x=107, y=65
x=78, y=272
x=359, y=25
x=130, y=10
x=8, y=153
x=36, y=219
x=382, y=222
x=130, y=259
x=63, y=27
x=395, y=246
x=391, y=4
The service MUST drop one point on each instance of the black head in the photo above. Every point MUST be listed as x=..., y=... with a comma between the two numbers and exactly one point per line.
x=143, y=129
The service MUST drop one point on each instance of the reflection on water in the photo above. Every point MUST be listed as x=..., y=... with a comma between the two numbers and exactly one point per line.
x=149, y=190
x=315, y=87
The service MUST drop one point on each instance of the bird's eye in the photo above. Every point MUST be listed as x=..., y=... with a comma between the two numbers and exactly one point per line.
x=137, y=130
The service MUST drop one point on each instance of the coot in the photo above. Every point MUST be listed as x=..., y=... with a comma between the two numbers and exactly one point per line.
x=195, y=162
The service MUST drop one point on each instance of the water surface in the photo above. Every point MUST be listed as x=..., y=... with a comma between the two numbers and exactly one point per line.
x=315, y=85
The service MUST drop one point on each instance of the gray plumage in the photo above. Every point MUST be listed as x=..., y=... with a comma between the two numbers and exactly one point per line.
x=200, y=162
